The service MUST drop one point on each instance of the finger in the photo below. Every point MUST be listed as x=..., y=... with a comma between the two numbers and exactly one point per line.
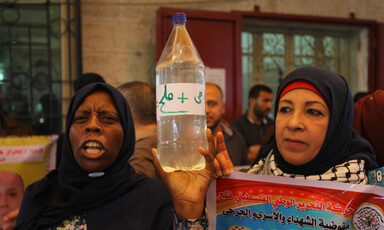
x=8, y=225
x=11, y=215
x=156, y=162
x=225, y=165
x=222, y=150
x=208, y=159
x=211, y=142
x=220, y=142
x=216, y=165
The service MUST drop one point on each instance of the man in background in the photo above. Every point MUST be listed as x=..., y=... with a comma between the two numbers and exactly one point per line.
x=142, y=101
x=254, y=124
x=11, y=195
x=215, y=109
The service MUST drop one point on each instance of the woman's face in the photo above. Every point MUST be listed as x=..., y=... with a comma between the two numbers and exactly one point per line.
x=301, y=125
x=96, y=134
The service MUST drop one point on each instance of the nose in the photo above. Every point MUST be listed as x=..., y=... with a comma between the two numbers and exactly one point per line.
x=93, y=125
x=207, y=109
x=295, y=122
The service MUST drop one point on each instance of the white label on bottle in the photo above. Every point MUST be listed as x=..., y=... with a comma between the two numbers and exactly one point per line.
x=180, y=99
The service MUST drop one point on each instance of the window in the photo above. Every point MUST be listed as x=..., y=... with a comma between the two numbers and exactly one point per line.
x=32, y=75
x=270, y=52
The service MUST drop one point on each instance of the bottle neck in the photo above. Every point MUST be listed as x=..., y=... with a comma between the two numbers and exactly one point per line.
x=179, y=24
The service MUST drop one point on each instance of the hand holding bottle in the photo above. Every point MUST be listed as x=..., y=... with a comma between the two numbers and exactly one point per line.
x=189, y=188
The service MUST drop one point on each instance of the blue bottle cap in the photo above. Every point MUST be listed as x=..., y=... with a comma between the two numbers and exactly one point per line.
x=179, y=18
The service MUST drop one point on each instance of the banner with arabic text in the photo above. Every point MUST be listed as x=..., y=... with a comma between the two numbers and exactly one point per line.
x=246, y=201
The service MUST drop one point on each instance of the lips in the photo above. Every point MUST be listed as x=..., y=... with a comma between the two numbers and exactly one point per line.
x=294, y=143
x=93, y=149
x=294, y=140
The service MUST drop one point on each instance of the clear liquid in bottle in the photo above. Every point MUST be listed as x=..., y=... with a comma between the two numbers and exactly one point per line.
x=180, y=96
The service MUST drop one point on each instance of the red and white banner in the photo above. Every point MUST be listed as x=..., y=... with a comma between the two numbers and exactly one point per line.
x=247, y=201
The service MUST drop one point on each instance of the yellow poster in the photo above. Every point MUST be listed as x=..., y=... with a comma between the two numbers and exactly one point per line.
x=30, y=157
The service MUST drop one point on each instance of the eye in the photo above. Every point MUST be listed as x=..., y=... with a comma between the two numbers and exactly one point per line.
x=285, y=109
x=79, y=119
x=12, y=194
x=212, y=103
x=109, y=118
x=314, y=112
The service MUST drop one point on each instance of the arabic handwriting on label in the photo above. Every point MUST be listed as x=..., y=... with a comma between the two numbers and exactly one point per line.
x=180, y=98
x=198, y=100
x=168, y=97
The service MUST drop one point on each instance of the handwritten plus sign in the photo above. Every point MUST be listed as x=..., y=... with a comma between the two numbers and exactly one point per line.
x=182, y=98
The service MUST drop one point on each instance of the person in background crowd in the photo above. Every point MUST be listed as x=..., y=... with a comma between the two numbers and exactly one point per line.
x=94, y=186
x=314, y=138
x=85, y=79
x=359, y=95
x=142, y=100
x=11, y=194
x=255, y=122
x=368, y=121
x=215, y=109
x=12, y=127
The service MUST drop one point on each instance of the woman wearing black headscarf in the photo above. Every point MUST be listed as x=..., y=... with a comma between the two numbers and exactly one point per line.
x=95, y=188
x=314, y=138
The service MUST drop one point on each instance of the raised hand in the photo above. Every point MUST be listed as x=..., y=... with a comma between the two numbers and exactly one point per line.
x=189, y=188
x=10, y=220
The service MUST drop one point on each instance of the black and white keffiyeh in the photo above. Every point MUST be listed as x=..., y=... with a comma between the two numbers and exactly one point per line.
x=348, y=172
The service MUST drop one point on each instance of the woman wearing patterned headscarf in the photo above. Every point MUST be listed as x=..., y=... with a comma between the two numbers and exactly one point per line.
x=95, y=188
x=314, y=138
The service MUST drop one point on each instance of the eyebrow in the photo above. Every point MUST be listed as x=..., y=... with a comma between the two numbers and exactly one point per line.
x=286, y=101
x=307, y=103
x=316, y=102
x=12, y=189
x=101, y=110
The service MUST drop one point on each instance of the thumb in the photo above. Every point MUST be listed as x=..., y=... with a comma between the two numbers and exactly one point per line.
x=156, y=162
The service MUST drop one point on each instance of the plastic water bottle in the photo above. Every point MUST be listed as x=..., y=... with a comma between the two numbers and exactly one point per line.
x=180, y=101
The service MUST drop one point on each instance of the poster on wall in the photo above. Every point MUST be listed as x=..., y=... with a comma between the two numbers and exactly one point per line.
x=216, y=76
x=23, y=160
x=246, y=201
x=30, y=157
